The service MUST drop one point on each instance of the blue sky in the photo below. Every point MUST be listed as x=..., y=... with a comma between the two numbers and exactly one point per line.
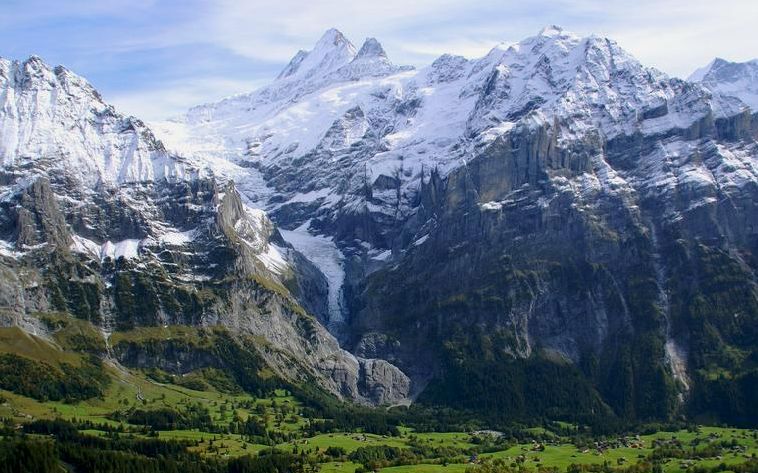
x=155, y=58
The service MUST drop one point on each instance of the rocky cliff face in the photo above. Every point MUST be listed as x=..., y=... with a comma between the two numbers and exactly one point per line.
x=587, y=263
x=100, y=221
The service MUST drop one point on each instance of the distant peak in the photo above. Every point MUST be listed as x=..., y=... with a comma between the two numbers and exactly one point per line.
x=330, y=52
x=721, y=62
x=551, y=30
x=724, y=70
x=371, y=49
x=35, y=61
x=332, y=38
x=701, y=72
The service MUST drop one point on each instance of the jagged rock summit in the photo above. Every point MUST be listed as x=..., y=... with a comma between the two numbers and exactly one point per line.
x=731, y=79
x=371, y=48
x=331, y=52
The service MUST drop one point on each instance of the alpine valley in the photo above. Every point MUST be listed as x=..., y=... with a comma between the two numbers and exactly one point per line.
x=552, y=232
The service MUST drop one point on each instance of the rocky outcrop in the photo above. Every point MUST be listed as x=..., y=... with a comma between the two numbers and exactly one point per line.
x=383, y=383
x=39, y=220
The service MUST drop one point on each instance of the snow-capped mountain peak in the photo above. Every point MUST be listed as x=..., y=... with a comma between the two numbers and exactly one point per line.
x=333, y=39
x=552, y=31
x=557, y=74
x=369, y=121
x=722, y=68
x=55, y=127
x=57, y=120
x=333, y=60
x=371, y=61
x=730, y=79
x=332, y=51
x=371, y=48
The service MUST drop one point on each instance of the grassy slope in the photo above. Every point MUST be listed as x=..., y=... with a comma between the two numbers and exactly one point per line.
x=16, y=341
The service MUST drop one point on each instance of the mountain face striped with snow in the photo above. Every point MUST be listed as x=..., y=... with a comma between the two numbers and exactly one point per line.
x=552, y=229
x=57, y=114
x=731, y=79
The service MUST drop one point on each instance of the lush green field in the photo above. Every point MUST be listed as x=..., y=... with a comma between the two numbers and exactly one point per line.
x=427, y=468
x=349, y=441
x=556, y=453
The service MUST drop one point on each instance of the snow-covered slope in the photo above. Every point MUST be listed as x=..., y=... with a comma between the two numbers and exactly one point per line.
x=731, y=79
x=55, y=125
x=328, y=135
x=51, y=115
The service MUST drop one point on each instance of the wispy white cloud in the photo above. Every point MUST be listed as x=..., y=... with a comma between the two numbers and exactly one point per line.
x=173, y=99
x=31, y=12
x=678, y=37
